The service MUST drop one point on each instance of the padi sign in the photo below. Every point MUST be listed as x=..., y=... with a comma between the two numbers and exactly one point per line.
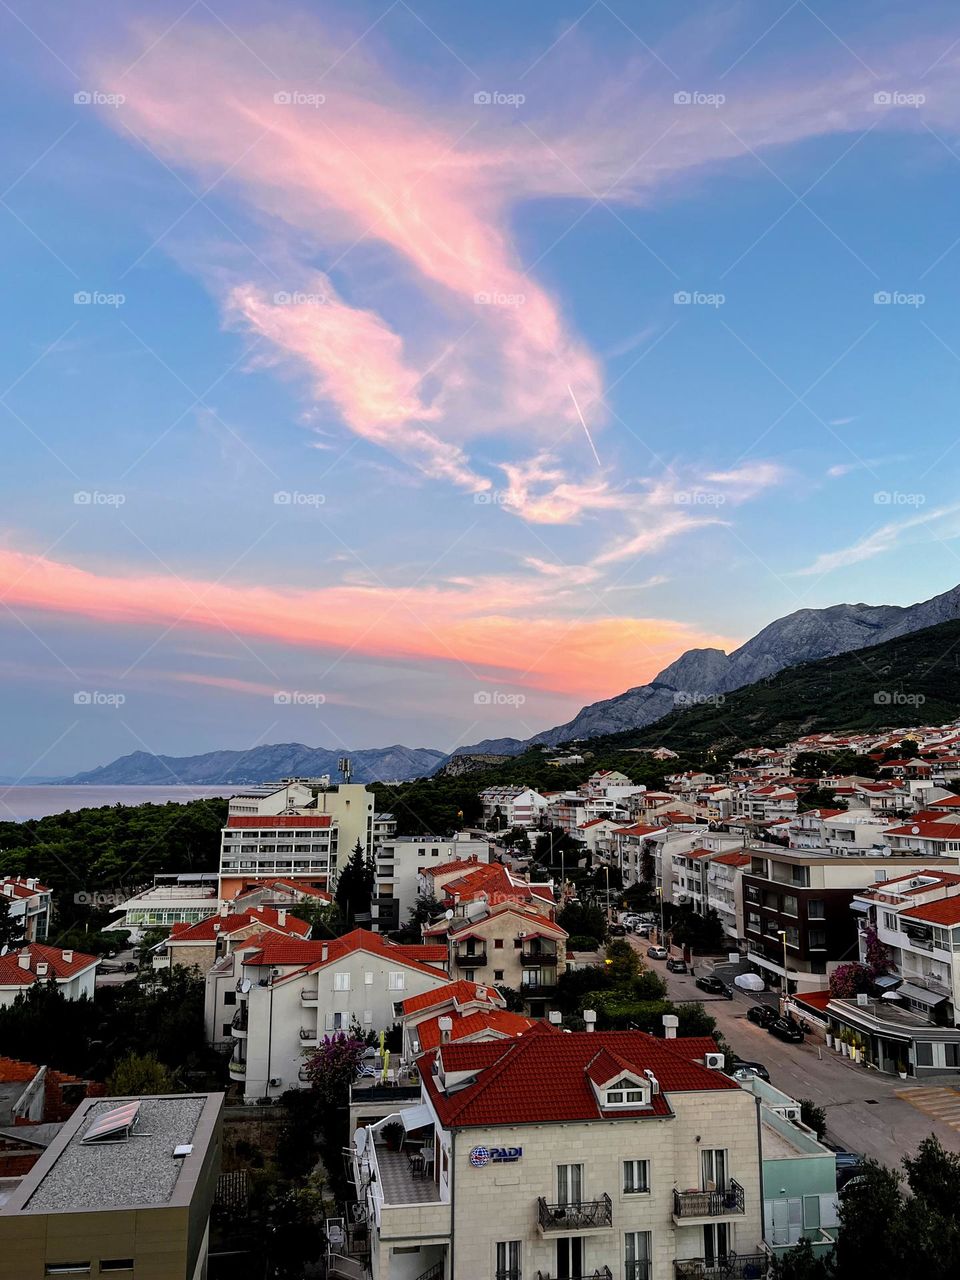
x=480, y=1157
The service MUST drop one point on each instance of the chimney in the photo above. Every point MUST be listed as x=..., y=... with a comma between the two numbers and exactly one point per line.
x=8, y=890
x=224, y=908
x=42, y=968
x=324, y=952
x=446, y=1026
x=32, y=883
x=590, y=1018
x=68, y=957
x=282, y=917
x=23, y=959
x=556, y=1017
x=670, y=1024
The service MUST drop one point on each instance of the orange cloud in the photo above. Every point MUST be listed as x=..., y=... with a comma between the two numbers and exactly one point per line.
x=588, y=657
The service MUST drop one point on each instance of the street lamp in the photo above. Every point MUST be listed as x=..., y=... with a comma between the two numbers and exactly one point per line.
x=606, y=867
x=786, y=986
x=660, y=896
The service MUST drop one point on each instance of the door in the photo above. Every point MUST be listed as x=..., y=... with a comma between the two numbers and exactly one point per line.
x=569, y=1258
x=508, y=1259
x=636, y=1255
x=713, y=1169
x=717, y=1242
x=569, y=1183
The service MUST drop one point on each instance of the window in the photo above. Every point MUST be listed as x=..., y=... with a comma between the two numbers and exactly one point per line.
x=498, y=975
x=924, y=1051
x=509, y=1259
x=636, y=1255
x=229, y=997
x=67, y=1269
x=636, y=1176
x=385, y=890
x=498, y=944
x=817, y=939
x=753, y=921
x=569, y=1183
x=790, y=904
x=368, y=978
x=771, y=900
x=816, y=909
x=368, y=1017
x=625, y=1093
x=793, y=935
x=396, y=981
x=115, y=1264
x=890, y=921
x=341, y=981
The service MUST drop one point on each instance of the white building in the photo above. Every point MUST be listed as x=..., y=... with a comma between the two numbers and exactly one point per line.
x=512, y=806
x=29, y=906
x=73, y=973
x=170, y=900
x=612, y=1155
x=399, y=862
x=290, y=994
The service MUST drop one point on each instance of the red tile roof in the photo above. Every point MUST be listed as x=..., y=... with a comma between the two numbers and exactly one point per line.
x=928, y=830
x=282, y=820
x=488, y=1023
x=460, y=993
x=457, y=864
x=538, y=923
x=290, y=886
x=215, y=926
x=533, y=1081
x=19, y=888
x=943, y=911
x=733, y=859
x=641, y=829
x=309, y=955
x=12, y=975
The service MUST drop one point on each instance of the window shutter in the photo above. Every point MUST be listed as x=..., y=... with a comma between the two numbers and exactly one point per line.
x=328, y=1022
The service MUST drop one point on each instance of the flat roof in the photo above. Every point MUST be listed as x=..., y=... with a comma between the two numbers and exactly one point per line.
x=828, y=855
x=137, y=1172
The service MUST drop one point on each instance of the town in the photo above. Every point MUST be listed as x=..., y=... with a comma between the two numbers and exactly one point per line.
x=606, y=1030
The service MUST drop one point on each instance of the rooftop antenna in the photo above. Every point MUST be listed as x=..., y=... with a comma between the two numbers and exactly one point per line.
x=345, y=767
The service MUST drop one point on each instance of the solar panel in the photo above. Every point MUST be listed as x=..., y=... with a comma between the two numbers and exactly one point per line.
x=115, y=1123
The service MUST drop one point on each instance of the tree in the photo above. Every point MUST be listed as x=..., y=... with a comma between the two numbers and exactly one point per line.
x=814, y=1117
x=870, y=1236
x=11, y=927
x=801, y=1263
x=332, y=1067
x=583, y=920
x=933, y=1175
x=622, y=962
x=138, y=1075
x=513, y=997
x=354, y=892
x=847, y=980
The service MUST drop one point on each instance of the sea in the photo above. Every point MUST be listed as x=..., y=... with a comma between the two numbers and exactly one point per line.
x=17, y=804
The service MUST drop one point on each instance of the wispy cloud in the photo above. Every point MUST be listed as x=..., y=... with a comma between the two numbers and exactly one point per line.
x=946, y=526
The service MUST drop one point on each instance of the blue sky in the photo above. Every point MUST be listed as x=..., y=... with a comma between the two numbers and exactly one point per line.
x=322, y=265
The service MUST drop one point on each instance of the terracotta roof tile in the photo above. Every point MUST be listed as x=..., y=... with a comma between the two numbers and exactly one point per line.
x=215, y=926
x=12, y=975
x=461, y=992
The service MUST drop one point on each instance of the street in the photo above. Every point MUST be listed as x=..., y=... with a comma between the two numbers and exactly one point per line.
x=864, y=1112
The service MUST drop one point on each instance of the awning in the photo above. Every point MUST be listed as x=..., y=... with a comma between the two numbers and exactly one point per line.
x=859, y=906
x=920, y=994
x=886, y=982
x=416, y=1117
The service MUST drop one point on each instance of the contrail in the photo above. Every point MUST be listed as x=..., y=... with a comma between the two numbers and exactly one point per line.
x=584, y=425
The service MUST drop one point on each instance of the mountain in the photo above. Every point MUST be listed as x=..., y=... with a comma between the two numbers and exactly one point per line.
x=261, y=764
x=911, y=679
x=804, y=636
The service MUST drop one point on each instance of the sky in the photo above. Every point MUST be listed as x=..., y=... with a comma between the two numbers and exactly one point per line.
x=389, y=372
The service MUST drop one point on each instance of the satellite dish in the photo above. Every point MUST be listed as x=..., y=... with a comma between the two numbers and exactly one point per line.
x=448, y=914
x=360, y=1141
x=245, y=986
x=914, y=831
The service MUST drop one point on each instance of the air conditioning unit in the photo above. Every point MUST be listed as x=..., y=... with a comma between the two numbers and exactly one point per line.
x=714, y=1061
x=276, y=1082
x=791, y=1113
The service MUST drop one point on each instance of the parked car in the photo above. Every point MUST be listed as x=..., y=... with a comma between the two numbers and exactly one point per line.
x=617, y=931
x=630, y=919
x=762, y=1014
x=716, y=987
x=785, y=1029
x=751, y=1068
x=849, y=1167
x=677, y=966
x=657, y=953
x=642, y=930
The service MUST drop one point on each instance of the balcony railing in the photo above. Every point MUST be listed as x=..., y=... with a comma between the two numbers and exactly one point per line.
x=537, y=990
x=579, y=1215
x=637, y=1270
x=743, y=1266
x=237, y=1068
x=471, y=959
x=709, y=1204
x=309, y=997
x=533, y=955
x=597, y=1273
x=308, y=1034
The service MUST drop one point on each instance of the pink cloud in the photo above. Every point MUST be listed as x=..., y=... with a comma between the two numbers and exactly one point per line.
x=521, y=635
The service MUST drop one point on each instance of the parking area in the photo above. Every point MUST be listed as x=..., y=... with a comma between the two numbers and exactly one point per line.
x=866, y=1112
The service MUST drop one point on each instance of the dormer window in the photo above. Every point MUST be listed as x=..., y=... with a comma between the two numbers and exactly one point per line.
x=626, y=1093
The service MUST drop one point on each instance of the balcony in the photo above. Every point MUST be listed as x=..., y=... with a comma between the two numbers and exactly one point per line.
x=238, y=1027
x=708, y=1205
x=471, y=959
x=598, y=1273
x=579, y=1215
x=538, y=990
x=310, y=998
x=534, y=955
x=744, y=1266
x=237, y=1070
x=309, y=1035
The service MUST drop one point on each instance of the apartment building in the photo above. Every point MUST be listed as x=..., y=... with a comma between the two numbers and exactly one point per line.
x=29, y=905
x=125, y=1188
x=200, y=945
x=690, y=882
x=72, y=972
x=399, y=863
x=838, y=830
x=511, y=806
x=290, y=993
x=725, y=892
x=506, y=944
x=925, y=836
x=612, y=1155
x=459, y=1011
x=765, y=803
x=799, y=900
